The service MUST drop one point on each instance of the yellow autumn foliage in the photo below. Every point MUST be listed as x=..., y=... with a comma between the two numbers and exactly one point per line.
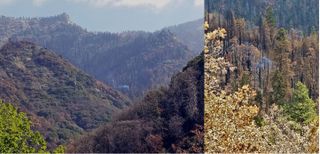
x=229, y=117
x=205, y=25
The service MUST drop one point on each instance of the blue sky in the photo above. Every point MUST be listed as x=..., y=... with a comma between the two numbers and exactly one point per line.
x=110, y=15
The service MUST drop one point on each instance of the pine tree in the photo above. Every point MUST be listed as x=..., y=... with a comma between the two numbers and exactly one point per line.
x=283, y=62
x=270, y=17
x=302, y=109
x=279, y=88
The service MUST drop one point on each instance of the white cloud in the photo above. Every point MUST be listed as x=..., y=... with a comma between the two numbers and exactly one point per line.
x=199, y=3
x=155, y=4
x=38, y=2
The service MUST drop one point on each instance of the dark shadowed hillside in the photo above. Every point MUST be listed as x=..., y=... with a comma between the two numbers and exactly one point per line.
x=297, y=14
x=61, y=100
x=166, y=120
x=150, y=59
x=130, y=61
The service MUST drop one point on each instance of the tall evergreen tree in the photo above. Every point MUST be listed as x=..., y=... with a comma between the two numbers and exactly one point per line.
x=302, y=109
x=279, y=88
x=281, y=57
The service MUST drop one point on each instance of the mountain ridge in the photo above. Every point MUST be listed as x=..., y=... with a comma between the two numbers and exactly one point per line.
x=167, y=119
x=61, y=100
x=82, y=48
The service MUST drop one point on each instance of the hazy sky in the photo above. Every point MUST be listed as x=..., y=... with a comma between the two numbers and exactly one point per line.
x=110, y=15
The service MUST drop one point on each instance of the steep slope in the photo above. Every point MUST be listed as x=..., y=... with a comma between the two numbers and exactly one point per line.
x=132, y=61
x=297, y=14
x=148, y=61
x=271, y=55
x=61, y=100
x=167, y=120
x=191, y=34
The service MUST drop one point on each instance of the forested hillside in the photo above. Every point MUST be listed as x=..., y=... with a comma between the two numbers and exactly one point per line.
x=261, y=76
x=235, y=123
x=61, y=100
x=190, y=34
x=269, y=57
x=132, y=62
x=166, y=120
x=297, y=14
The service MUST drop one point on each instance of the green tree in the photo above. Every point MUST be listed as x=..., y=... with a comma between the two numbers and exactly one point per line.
x=59, y=149
x=270, y=17
x=16, y=135
x=282, y=51
x=270, y=27
x=245, y=79
x=281, y=35
x=303, y=108
x=281, y=56
x=279, y=88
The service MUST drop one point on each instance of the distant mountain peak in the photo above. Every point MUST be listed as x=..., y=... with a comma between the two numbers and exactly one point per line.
x=121, y=54
x=60, y=18
x=63, y=17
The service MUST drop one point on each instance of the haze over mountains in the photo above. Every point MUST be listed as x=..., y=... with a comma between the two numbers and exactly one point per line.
x=49, y=68
x=190, y=33
x=61, y=100
x=132, y=62
x=166, y=120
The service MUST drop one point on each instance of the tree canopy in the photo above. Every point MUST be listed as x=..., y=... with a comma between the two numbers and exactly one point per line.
x=16, y=135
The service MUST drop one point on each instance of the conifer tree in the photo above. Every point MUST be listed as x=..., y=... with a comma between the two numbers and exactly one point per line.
x=283, y=63
x=302, y=109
